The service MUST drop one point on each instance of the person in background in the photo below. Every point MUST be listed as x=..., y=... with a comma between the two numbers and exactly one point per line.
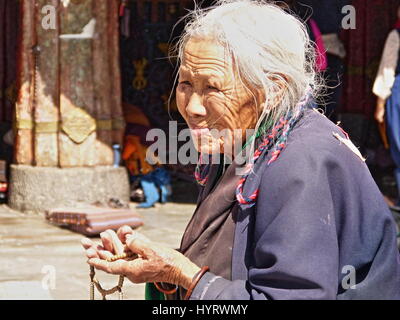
x=328, y=16
x=387, y=89
x=154, y=180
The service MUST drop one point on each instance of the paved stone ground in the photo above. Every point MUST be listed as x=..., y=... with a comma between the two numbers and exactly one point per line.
x=31, y=250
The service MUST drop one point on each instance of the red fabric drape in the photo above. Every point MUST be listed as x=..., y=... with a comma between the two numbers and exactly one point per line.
x=9, y=14
x=364, y=50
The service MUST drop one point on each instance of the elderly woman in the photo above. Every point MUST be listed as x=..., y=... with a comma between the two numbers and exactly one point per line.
x=302, y=218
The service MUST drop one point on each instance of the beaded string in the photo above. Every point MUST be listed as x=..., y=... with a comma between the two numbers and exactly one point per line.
x=105, y=292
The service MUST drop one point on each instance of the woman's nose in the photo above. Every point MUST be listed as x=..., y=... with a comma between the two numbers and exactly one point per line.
x=195, y=107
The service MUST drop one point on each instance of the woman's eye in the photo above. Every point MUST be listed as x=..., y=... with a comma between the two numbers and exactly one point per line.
x=212, y=88
x=187, y=83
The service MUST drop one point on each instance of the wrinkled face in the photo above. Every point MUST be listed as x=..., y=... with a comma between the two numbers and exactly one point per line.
x=210, y=97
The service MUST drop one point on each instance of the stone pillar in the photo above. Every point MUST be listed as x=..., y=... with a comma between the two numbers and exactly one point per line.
x=68, y=110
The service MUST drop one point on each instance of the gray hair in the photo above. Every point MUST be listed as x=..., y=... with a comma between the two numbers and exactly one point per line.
x=269, y=48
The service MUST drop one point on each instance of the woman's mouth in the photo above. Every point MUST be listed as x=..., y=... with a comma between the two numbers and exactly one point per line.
x=197, y=132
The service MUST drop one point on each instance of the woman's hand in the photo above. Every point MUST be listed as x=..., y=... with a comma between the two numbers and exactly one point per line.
x=112, y=244
x=156, y=263
x=380, y=110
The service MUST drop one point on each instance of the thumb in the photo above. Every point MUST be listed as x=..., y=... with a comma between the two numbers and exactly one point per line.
x=138, y=244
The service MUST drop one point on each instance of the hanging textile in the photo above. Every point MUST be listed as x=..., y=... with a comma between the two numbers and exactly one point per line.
x=9, y=28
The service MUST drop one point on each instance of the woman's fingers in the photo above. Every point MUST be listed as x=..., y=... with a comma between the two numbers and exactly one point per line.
x=107, y=241
x=132, y=269
x=91, y=253
x=104, y=254
x=99, y=253
x=116, y=267
x=139, y=244
x=111, y=242
x=86, y=243
x=123, y=232
x=116, y=242
x=94, y=250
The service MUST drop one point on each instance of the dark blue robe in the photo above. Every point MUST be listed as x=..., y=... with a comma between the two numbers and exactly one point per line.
x=318, y=217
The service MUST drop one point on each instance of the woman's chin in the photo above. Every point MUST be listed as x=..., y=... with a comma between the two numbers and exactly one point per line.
x=208, y=149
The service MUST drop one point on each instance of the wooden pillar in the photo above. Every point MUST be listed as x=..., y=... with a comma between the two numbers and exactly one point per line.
x=118, y=123
x=23, y=113
x=69, y=112
x=77, y=137
x=102, y=89
x=46, y=111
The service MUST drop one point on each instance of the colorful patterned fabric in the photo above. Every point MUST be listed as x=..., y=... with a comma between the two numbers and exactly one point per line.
x=147, y=30
x=321, y=60
x=364, y=47
x=9, y=29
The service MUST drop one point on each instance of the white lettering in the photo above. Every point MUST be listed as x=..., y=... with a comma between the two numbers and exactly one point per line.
x=349, y=21
x=49, y=20
x=349, y=280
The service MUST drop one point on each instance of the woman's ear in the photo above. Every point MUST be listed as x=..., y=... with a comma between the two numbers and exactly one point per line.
x=260, y=101
x=279, y=89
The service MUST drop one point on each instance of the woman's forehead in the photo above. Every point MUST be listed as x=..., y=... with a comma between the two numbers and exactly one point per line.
x=203, y=51
x=205, y=55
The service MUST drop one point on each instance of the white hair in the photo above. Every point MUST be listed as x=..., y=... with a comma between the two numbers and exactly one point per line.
x=270, y=49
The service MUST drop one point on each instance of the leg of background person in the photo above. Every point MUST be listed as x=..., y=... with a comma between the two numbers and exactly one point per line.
x=393, y=130
x=150, y=191
x=164, y=193
x=163, y=181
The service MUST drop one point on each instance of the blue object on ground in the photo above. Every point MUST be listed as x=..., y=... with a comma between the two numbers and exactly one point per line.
x=150, y=183
x=150, y=191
